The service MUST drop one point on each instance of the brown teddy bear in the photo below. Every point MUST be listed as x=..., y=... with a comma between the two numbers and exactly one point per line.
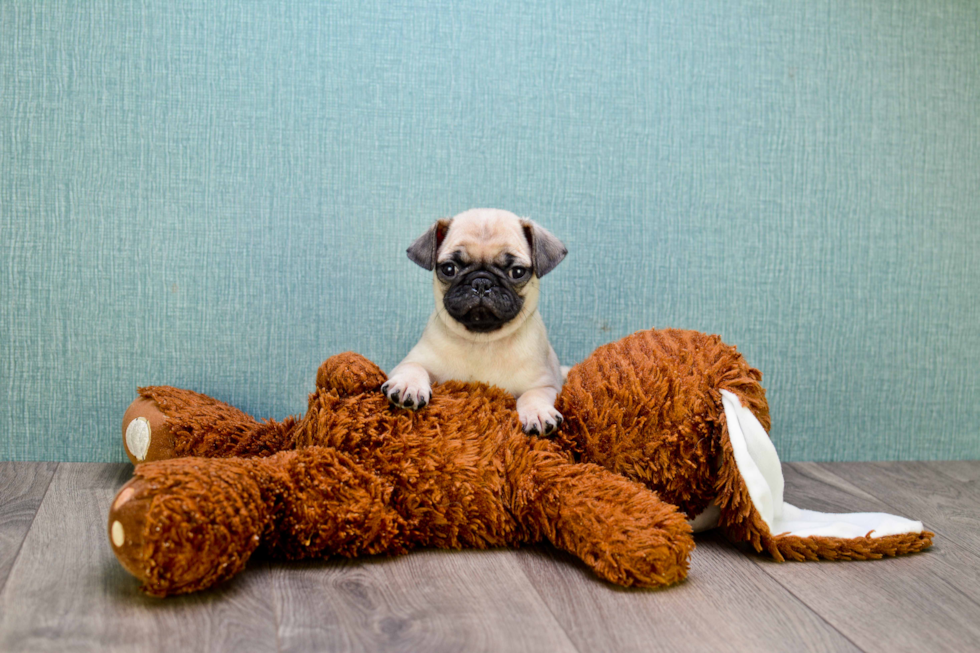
x=659, y=426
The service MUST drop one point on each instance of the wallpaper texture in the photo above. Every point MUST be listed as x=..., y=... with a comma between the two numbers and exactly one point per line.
x=218, y=195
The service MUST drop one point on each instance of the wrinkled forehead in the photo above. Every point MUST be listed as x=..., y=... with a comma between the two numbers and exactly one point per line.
x=487, y=238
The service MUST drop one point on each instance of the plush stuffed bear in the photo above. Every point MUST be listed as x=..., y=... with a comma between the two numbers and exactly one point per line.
x=659, y=426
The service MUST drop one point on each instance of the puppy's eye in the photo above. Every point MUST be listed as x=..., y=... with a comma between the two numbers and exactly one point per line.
x=448, y=269
x=517, y=272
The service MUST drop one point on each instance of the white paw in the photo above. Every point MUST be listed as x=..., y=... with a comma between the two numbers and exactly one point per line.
x=406, y=392
x=539, y=419
x=138, y=437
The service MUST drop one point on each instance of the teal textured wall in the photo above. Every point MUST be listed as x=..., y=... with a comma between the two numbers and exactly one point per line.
x=218, y=195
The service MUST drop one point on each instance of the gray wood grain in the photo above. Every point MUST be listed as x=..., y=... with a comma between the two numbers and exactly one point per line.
x=66, y=591
x=965, y=471
x=724, y=605
x=425, y=601
x=943, y=503
x=22, y=486
x=925, y=601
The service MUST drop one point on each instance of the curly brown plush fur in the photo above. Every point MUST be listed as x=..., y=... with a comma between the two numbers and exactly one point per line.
x=363, y=478
x=649, y=407
x=644, y=432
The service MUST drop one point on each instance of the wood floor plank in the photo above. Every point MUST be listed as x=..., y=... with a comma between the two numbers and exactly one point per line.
x=925, y=601
x=66, y=591
x=425, y=601
x=22, y=486
x=967, y=471
x=724, y=605
x=944, y=504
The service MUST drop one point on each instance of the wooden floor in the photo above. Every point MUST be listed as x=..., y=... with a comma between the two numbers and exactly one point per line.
x=61, y=588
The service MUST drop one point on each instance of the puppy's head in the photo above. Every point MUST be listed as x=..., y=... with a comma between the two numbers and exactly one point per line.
x=487, y=264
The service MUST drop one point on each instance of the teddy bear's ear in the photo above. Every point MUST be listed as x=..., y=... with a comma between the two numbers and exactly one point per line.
x=349, y=374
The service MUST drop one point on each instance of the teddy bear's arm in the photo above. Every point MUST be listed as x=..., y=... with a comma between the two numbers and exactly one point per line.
x=349, y=374
x=617, y=527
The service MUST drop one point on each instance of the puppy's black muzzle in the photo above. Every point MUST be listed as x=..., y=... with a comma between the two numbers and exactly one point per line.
x=482, y=301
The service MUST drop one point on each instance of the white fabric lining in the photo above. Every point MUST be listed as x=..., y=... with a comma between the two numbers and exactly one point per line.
x=706, y=520
x=758, y=463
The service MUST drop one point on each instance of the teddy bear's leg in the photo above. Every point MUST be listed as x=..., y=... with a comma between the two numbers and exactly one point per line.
x=165, y=422
x=184, y=525
x=618, y=527
x=146, y=435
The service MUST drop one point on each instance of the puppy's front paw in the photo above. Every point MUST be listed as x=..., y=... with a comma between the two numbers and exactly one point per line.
x=406, y=393
x=539, y=420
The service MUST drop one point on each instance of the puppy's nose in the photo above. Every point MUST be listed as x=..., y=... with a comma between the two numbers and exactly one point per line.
x=481, y=286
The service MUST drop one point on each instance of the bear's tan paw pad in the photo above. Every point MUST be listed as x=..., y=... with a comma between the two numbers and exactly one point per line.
x=126, y=521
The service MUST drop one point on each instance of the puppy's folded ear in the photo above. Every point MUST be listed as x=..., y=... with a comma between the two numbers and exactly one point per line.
x=424, y=250
x=546, y=250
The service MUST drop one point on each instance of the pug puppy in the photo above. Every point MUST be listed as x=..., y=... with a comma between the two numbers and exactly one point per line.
x=486, y=326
